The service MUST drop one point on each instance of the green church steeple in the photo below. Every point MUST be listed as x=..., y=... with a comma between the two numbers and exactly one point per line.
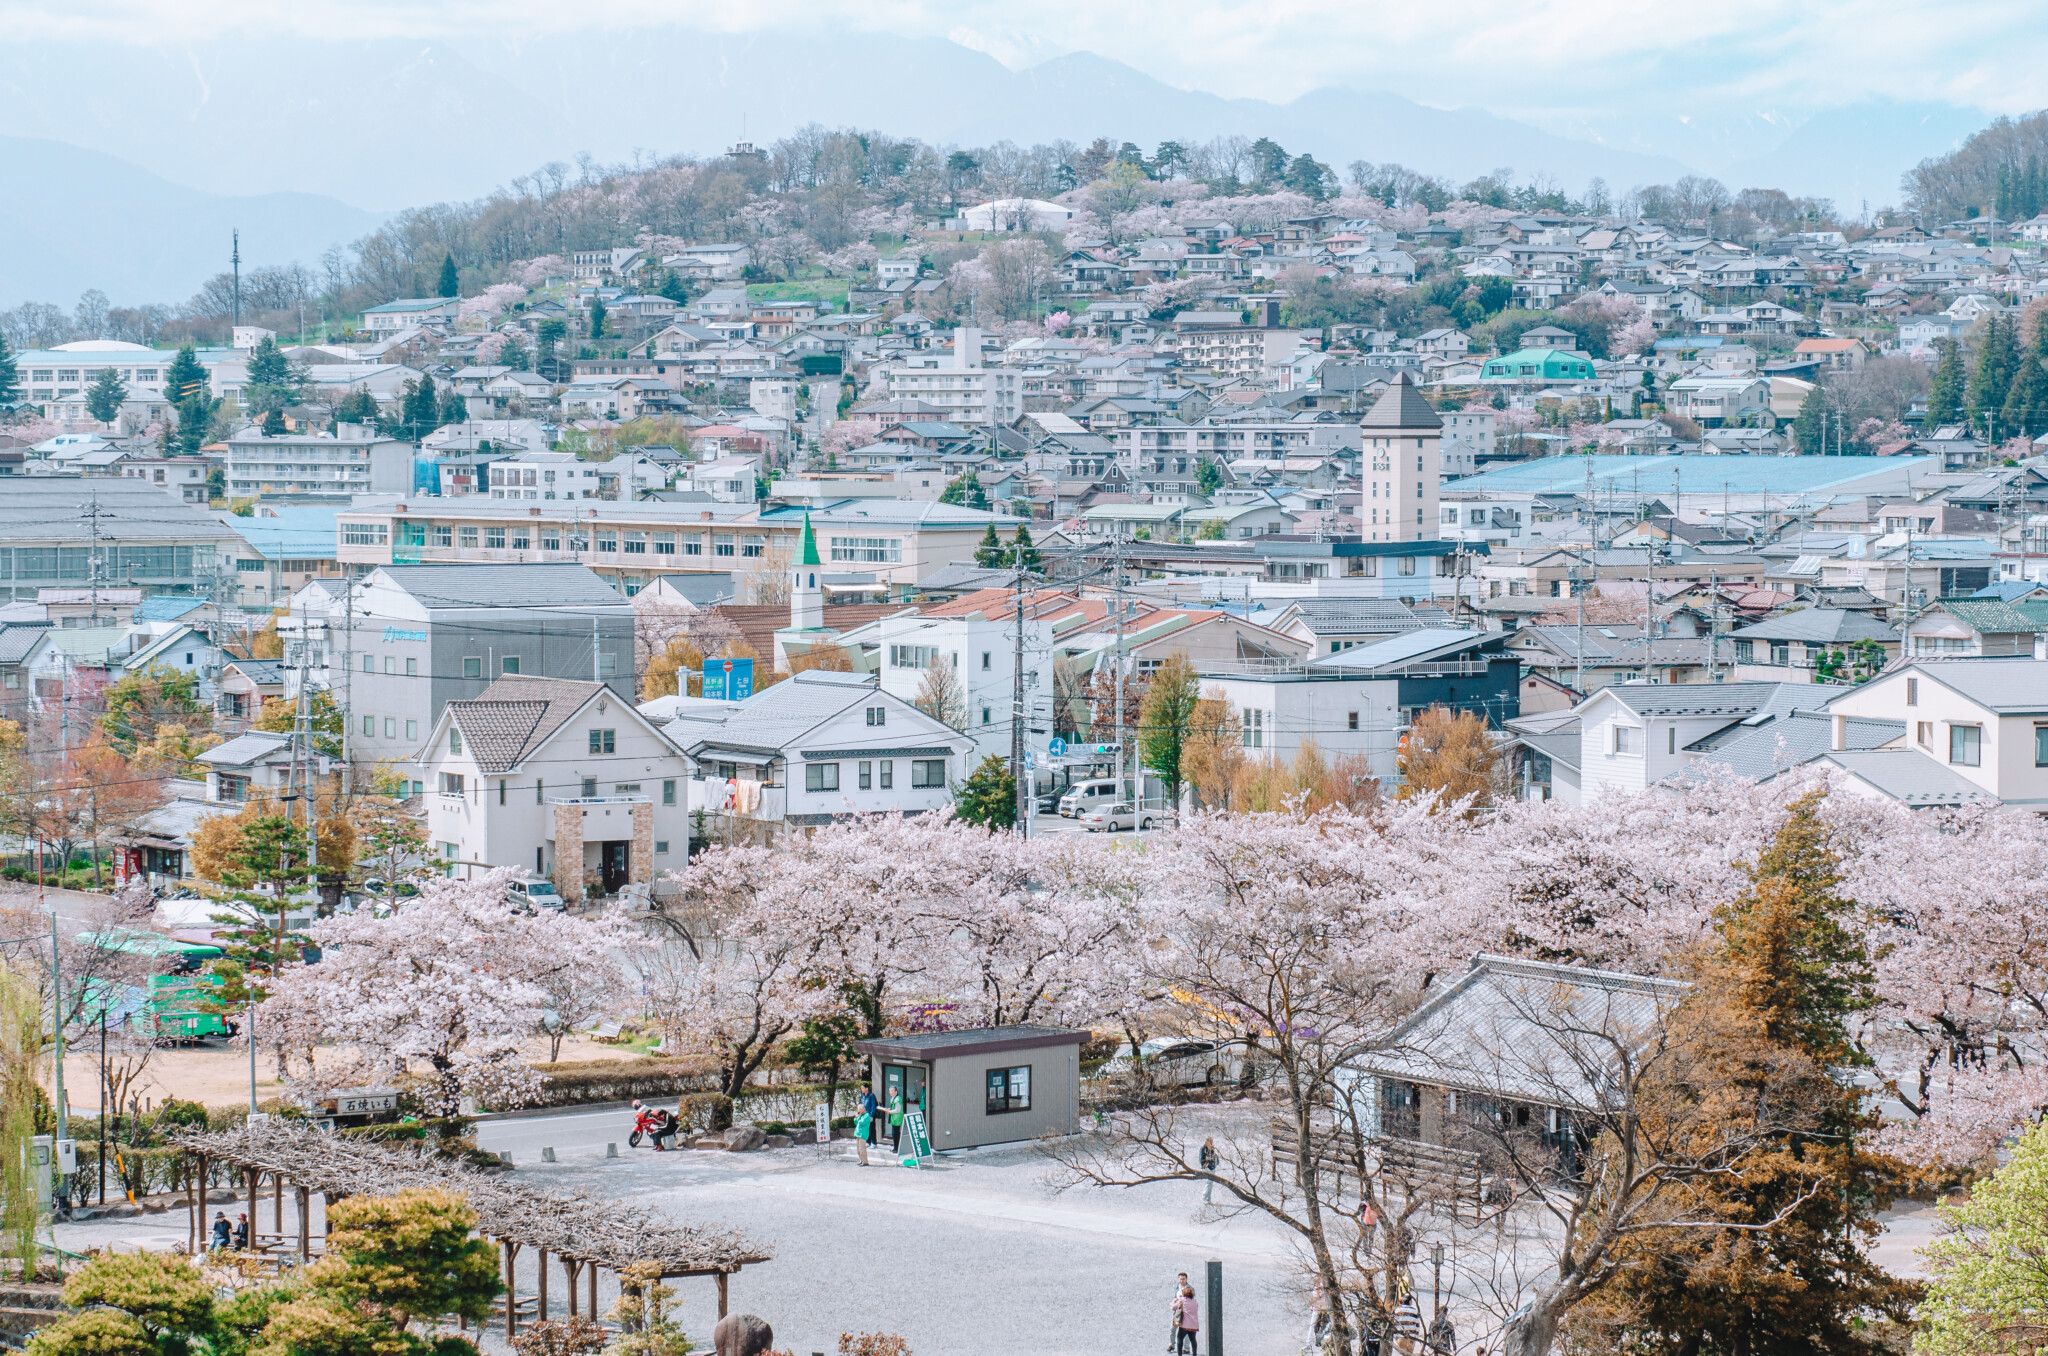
x=810, y=551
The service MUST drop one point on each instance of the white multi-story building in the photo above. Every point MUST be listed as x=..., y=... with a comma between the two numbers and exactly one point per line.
x=1403, y=470
x=57, y=378
x=1467, y=437
x=982, y=653
x=971, y=394
x=338, y=466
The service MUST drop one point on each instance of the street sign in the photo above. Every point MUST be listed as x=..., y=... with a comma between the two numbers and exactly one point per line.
x=1056, y=749
x=920, y=1138
x=729, y=679
x=1030, y=760
x=823, y=1120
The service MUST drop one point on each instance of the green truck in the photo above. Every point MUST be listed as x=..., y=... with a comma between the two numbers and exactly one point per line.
x=179, y=1004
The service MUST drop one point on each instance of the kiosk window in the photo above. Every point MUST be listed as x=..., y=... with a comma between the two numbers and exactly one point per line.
x=1009, y=1089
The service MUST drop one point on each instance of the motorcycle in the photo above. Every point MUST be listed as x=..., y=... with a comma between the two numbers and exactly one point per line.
x=651, y=1123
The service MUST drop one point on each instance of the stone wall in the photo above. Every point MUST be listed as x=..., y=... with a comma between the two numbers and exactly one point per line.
x=569, y=853
x=640, y=857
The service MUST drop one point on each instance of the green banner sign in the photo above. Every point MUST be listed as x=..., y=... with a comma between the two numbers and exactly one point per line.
x=920, y=1138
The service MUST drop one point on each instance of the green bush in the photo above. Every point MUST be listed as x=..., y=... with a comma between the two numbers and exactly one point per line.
x=771, y=1127
x=843, y=1122
x=706, y=1111
x=622, y=1081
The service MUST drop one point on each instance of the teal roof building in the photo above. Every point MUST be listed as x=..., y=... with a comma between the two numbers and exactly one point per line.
x=1539, y=364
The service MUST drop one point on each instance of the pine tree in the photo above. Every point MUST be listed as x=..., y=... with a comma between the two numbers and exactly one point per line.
x=1754, y=1048
x=1023, y=551
x=1945, y=394
x=357, y=407
x=2026, y=403
x=419, y=411
x=991, y=554
x=103, y=398
x=674, y=288
x=597, y=317
x=450, y=284
x=1997, y=360
x=989, y=796
x=10, y=375
x=454, y=409
x=273, y=423
x=195, y=417
x=1809, y=429
x=184, y=376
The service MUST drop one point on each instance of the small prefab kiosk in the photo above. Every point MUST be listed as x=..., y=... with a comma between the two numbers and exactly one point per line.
x=994, y=1085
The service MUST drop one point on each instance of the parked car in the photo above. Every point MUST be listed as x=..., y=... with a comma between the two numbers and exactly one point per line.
x=1084, y=794
x=1177, y=1061
x=533, y=892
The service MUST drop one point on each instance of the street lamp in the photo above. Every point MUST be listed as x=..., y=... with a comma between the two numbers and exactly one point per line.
x=1436, y=1281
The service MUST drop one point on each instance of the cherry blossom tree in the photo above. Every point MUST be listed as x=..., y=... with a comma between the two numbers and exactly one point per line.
x=452, y=984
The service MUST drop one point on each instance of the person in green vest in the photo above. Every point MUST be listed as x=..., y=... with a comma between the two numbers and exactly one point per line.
x=896, y=1121
x=862, y=1125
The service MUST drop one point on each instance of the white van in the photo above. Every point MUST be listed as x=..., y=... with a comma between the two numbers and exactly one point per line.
x=1086, y=795
x=528, y=891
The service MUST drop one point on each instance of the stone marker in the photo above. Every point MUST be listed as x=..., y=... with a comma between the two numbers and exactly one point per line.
x=742, y=1335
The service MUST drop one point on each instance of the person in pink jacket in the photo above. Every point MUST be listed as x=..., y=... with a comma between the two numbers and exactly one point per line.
x=1187, y=1312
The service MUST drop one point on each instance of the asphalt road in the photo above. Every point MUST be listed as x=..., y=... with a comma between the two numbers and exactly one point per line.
x=968, y=1255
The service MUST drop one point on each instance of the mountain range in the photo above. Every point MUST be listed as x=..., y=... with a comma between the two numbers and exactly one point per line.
x=280, y=134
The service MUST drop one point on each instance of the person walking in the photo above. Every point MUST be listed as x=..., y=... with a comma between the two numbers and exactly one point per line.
x=1208, y=1159
x=1188, y=1316
x=221, y=1229
x=1180, y=1283
x=896, y=1121
x=868, y=1107
x=864, y=1126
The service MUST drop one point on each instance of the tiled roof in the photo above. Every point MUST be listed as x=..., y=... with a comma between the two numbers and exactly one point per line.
x=526, y=585
x=1828, y=625
x=1912, y=778
x=1989, y=616
x=1401, y=407
x=516, y=715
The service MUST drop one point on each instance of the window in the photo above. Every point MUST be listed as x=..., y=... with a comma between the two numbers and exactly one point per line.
x=626, y=788
x=821, y=776
x=391, y=663
x=509, y=664
x=1745, y=651
x=753, y=544
x=912, y=656
x=608, y=541
x=550, y=539
x=927, y=773
x=661, y=847
x=867, y=776
x=888, y=774
x=607, y=665
x=1627, y=739
x=472, y=666
x=1407, y=565
x=1671, y=739
x=1350, y=720
x=1781, y=653
x=363, y=534
x=1009, y=1090
x=391, y=727
x=455, y=739
x=1966, y=745
x=451, y=783
x=668, y=791
x=664, y=543
x=589, y=791
x=867, y=550
x=1923, y=732
x=1912, y=692
x=369, y=727
x=444, y=535
x=984, y=661
x=693, y=543
x=721, y=544
x=369, y=663
x=412, y=667
x=636, y=543
x=521, y=539
x=1252, y=725
x=467, y=536
x=878, y=715
x=494, y=538
x=604, y=741
x=501, y=790
x=412, y=729
x=539, y=791
x=2041, y=746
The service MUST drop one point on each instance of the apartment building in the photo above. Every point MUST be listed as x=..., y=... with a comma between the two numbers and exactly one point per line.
x=894, y=542
x=1403, y=471
x=969, y=393
x=326, y=465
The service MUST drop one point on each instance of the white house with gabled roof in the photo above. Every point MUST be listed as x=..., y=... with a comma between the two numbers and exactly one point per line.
x=562, y=778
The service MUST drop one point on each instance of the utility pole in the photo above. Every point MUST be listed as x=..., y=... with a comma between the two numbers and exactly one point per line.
x=92, y=513
x=237, y=262
x=1117, y=567
x=1020, y=775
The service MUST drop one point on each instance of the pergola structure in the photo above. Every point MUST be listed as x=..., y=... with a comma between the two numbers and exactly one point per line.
x=582, y=1232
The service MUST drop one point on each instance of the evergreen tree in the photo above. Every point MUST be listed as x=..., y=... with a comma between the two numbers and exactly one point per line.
x=195, y=419
x=454, y=409
x=184, y=376
x=419, y=412
x=273, y=423
x=1809, y=429
x=966, y=491
x=989, y=796
x=2026, y=402
x=450, y=285
x=990, y=554
x=1945, y=394
x=1023, y=551
x=103, y=398
x=514, y=355
x=1997, y=361
x=1208, y=476
x=10, y=375
x=1761, y=1034
x=597, y=317
x=357, y=407
x=674, y=288
x=273, y=383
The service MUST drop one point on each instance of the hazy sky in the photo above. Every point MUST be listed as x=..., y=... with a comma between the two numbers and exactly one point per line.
x=1542, y=59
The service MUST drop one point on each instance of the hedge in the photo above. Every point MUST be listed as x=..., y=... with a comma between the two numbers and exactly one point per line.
x=622, y=1081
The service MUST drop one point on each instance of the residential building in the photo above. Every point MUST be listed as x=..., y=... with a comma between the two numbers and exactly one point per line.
x=817, y=748
x=1397, y=500
x=980, y=649
x=428, y=313
x=966, y=391
x=1467, y=442
x=564, y=778
x=336, y=466
x=408, y=639
x=1796, y=646
x=1977, y=627
x=1982, y=720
